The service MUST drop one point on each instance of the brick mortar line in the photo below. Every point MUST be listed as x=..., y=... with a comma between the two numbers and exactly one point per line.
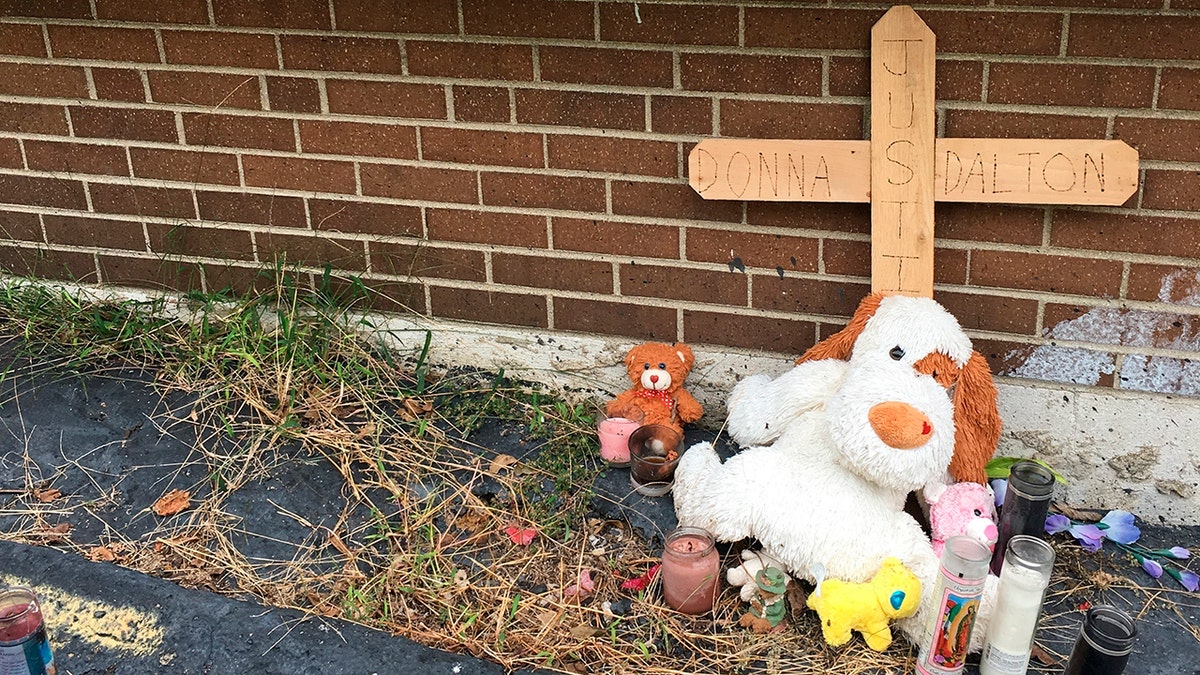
x=881, y=7
x=477, y=168
x=1085, y=111
x=560, y=130
x=665, y=48
x=559, y=254
x=978, y=106
x=1157, y=165
x=952, y=244
x=974, y=106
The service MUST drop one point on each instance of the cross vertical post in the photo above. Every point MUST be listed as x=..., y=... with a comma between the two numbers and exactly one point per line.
x=902, y=153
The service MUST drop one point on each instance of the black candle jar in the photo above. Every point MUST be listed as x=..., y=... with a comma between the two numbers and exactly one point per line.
x=1025, y=504
x=1104, y=643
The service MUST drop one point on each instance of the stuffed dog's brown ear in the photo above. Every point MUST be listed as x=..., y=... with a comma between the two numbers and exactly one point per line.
x=840, y=344
x=976, y=421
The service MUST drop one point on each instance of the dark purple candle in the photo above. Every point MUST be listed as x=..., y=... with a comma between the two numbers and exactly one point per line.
x=1025, y=504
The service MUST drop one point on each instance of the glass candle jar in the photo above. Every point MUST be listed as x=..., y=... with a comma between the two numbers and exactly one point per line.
x=614, y=432
x=1027, y=565
x=654, y=452
x=1030, y=486
x=691, y=570
x=1104, y=643
x=959, y=585
x=24, y=649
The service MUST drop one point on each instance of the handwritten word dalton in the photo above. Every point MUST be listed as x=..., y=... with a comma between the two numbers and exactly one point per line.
x=1020, y=172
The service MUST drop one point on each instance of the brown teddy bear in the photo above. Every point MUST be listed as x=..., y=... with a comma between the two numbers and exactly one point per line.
x=658, y=370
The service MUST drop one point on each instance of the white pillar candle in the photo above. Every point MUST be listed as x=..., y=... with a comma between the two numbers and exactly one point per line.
x=1023, y=582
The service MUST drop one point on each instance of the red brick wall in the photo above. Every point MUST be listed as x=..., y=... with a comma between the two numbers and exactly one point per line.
x=522, y=162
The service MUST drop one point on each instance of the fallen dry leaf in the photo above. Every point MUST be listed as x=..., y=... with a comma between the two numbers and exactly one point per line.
x=57, y=532
x=474, y=520
x=1081, y=515
x=584, y=631
x=364, y=431
x=46, y=496
x=1043, y=657
x=501, y=463
x=548, y=618
x=101, y=553
x=173, y=502
x=335, y=541
x=796, y=598
x=414, y=408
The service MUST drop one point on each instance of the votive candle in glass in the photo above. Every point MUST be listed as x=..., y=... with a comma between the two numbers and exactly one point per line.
x=1104, y=643
x=654, y=452
x=691, y=570
x=614, y=432
x=1027, y=565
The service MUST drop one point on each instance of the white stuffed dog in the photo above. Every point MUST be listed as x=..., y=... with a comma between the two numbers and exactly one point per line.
x=835, y=445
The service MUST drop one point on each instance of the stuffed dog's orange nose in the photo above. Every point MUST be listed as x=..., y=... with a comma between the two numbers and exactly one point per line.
x=900, y=425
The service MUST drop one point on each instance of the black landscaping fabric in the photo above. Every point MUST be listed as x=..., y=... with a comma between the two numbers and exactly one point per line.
x=113, y=438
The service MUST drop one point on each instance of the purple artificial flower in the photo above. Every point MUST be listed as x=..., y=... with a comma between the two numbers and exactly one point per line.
x=1152, y=567
x=1057, y=522
x=1090, y=537
x=1000, y=488
x=1179, y=553
x=1118, y=526
x=1188, y=579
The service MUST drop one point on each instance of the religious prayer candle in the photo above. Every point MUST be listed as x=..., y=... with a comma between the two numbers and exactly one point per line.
x=614, y=436
x=24, y=649
x=1030, y=486
x=1027, y=564
x=947, y=634
x=1104, y=643
x=690, y=570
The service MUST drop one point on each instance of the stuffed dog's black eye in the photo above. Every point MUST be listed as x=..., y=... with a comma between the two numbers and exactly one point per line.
x=662, y=366
x=897, y=353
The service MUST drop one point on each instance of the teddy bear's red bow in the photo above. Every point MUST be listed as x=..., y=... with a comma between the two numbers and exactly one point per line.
x=659, y=394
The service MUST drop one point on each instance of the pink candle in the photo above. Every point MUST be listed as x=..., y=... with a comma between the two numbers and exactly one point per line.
x=614, y=438
x=690, y=570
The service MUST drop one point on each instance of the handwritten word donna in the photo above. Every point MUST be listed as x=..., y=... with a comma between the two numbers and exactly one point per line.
x=764, y=174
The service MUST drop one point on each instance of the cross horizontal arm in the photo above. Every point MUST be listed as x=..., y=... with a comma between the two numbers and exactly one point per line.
x=996, y=170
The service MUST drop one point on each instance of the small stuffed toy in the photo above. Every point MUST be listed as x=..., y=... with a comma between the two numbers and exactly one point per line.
x=658, y=371
x=893, y=593
x=763, y=584
x=961, y=508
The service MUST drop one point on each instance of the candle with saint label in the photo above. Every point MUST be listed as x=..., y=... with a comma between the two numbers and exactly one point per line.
x=959, y=586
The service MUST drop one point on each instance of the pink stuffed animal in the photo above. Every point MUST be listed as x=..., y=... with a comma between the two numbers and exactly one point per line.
x=961, y=508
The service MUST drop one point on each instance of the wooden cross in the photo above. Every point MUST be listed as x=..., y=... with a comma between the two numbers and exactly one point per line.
x=903, y=169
